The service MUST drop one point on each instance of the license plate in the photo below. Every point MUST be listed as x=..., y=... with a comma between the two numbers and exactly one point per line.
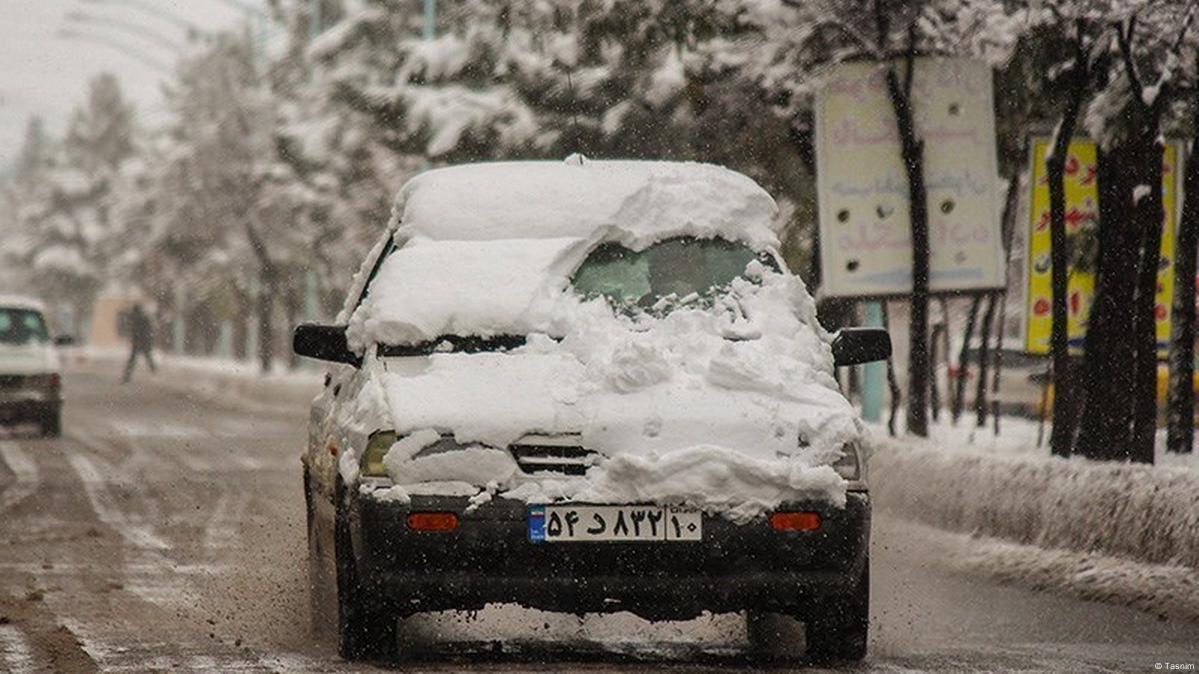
x=613, y=524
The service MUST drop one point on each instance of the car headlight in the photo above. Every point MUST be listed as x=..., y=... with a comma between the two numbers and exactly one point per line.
x=849, y=466
x=381, y=442
x=376, y=449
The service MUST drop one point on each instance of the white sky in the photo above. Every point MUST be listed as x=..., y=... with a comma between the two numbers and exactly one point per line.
x=43, y=73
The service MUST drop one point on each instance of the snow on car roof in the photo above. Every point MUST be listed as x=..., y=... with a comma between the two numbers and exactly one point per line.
x=636, y=202
x=21, y=302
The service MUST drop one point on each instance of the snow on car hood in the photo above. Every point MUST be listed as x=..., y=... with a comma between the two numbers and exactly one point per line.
x=731, y=408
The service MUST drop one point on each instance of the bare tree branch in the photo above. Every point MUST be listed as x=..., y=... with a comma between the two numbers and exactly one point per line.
x=882, y=25
x=909, y=64
x=1124, y=38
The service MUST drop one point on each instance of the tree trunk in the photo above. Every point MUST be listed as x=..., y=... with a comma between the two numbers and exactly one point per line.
x=984, y=348
x=959, y=391
x=268, y=275
x=1104, y=431
x=892, y=383
x=1065, y=386
x=945, y=348
x=291, y=311
x=1180, y=425
x=1148, y=214
x=912, y=154
x=1064, y=410
x=934, y=393
x=266, y=311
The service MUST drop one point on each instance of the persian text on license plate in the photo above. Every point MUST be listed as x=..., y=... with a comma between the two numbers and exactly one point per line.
x=612, y=524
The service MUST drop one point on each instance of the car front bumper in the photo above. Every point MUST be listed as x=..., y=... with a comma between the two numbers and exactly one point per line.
x=18, y=409
x=490, y=559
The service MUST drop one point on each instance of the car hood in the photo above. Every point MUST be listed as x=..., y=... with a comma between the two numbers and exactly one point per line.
x=732, y=407
x=495, y=398
x=28, y=358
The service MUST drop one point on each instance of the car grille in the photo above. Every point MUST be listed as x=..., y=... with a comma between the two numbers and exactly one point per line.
x=552, y=455
x=12, y=381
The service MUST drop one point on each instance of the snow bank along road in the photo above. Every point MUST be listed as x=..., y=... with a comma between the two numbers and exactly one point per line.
x=1124, y=533
x=166, y=533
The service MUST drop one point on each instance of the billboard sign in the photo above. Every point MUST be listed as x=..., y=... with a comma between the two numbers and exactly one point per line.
x=865, y=232
x=1082, y=220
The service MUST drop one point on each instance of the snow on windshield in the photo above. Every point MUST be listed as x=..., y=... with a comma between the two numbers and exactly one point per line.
x=432, y=288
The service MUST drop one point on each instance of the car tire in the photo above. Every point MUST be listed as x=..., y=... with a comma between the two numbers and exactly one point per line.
x=321, y=590
x=362, y=633
x=838, y=632
x=52, y=425
x=771, y=635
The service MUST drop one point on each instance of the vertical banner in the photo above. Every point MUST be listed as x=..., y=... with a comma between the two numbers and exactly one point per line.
x=865, y=229
x=1082, y=222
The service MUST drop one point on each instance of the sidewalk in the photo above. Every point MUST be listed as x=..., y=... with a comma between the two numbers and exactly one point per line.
x=236, y=382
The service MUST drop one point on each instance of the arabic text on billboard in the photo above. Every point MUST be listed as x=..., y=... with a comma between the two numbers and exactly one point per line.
x=865, y=233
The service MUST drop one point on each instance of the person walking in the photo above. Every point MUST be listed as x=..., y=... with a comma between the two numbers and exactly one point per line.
x=141, y=340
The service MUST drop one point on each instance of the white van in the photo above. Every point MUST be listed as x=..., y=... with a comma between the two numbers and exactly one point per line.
x=30, y=372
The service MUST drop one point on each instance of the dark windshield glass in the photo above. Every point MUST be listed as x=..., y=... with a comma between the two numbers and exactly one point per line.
x=18, y=326
x=454, y=344
x=673, y=269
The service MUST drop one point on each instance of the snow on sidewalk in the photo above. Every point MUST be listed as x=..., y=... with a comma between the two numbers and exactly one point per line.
x=967, y=479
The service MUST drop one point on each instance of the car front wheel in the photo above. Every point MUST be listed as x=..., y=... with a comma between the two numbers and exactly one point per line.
x=362, y=633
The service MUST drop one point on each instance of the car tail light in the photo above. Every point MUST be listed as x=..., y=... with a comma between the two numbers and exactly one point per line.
x=795, y=521
x=432, y=521
x=48, y=382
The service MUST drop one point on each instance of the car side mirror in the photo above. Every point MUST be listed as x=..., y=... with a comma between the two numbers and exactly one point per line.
x=853, y=346
x=64, y=340
x=323, y=342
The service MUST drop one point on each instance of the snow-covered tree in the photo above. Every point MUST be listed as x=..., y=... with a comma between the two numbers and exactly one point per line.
x=542, y=80
x=64, y=219
x=222, y=200
x=1126, y=118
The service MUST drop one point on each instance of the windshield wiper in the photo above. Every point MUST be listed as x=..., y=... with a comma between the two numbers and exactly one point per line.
x=453, y=344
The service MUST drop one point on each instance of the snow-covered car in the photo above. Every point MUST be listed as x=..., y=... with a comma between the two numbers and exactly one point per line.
x=585, y=386
x=30, y=373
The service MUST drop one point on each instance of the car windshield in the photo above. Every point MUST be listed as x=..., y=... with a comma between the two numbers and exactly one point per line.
x=20, y=326
x=665, y=275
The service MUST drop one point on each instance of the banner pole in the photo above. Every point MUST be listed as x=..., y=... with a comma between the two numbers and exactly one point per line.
x=873, y=374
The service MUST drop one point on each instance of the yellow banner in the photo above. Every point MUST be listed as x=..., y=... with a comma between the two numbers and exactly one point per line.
x=1082, y=224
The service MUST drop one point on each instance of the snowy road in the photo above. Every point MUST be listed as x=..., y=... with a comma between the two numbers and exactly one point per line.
x=167, y=533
